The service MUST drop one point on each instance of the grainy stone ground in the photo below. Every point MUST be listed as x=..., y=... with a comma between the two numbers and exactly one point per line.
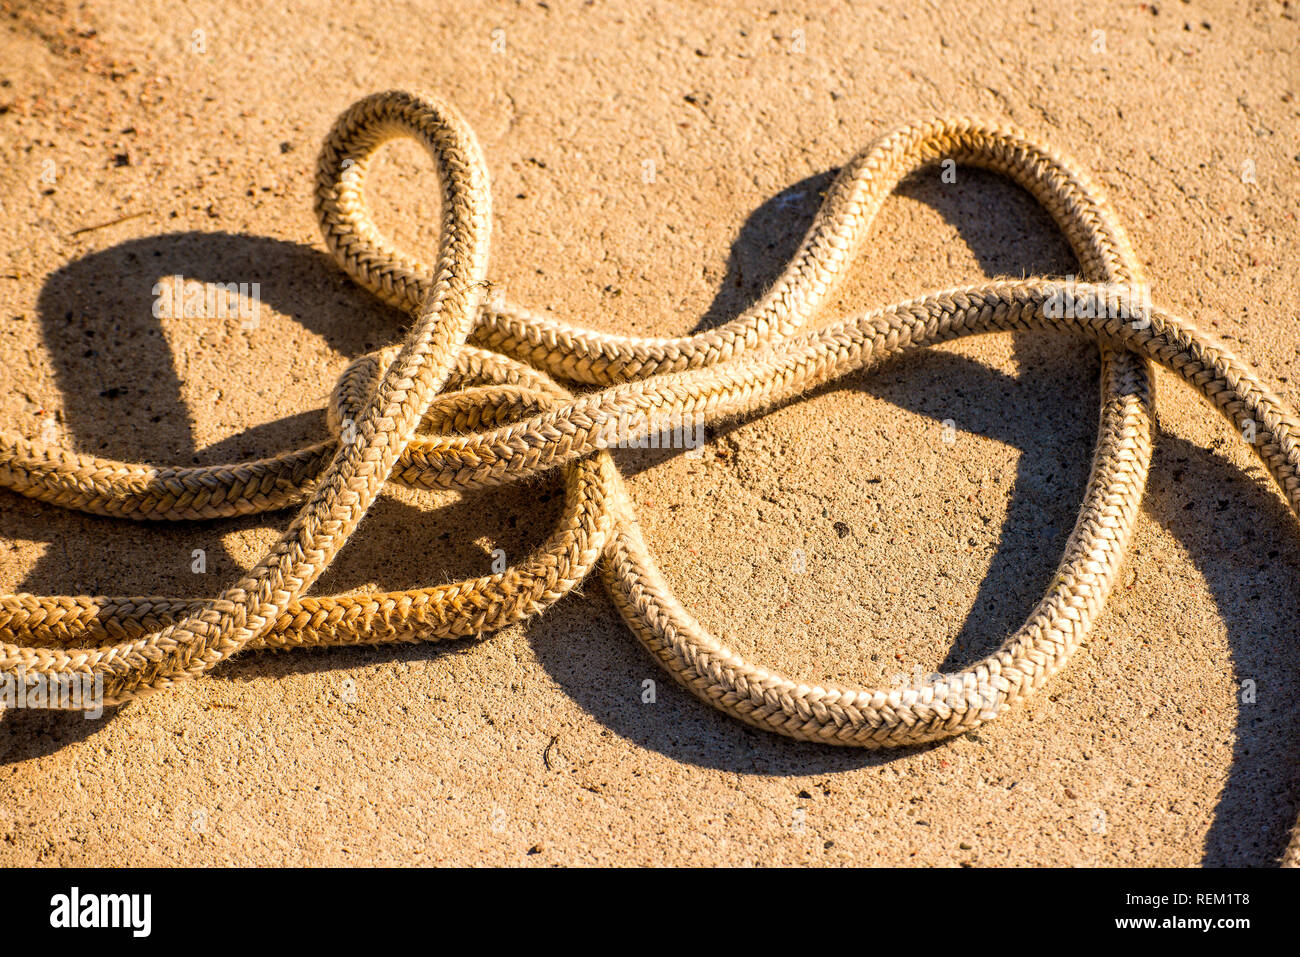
x=534, y=746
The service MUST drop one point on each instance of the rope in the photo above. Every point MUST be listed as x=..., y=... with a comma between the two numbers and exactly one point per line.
x=472, y=398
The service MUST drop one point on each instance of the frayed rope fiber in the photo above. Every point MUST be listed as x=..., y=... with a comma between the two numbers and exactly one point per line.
x=472, y=398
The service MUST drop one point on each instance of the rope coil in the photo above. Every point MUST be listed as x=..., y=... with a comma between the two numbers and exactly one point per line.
x=472, y=398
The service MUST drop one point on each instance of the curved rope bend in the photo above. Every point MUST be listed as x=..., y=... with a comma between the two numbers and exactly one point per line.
x=438, y=413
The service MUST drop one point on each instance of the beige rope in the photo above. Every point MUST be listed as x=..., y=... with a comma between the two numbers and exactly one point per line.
x=436, y=413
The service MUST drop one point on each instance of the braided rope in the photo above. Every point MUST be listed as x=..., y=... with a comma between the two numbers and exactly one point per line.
x=437, y=413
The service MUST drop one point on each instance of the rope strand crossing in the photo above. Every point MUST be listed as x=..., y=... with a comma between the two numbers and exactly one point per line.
x=473, y=398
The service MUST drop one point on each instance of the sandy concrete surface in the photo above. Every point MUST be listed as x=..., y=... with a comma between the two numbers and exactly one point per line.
x=534, y=745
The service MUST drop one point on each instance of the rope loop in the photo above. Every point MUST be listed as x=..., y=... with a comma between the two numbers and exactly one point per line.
x=479, y=395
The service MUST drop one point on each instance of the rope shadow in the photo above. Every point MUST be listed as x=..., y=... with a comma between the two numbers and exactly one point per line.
x=1040, y=514
x=1189, y=490
x=111, y=357
x=121, y=280
x=1001, y=225
x=1050, y=480
x=1250, y=563
x=682, y=727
